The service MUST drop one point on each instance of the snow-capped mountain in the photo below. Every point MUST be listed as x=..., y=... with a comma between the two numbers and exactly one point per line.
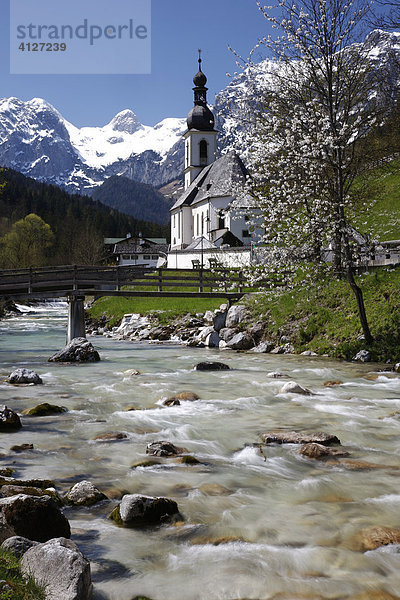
x=36, y=140
x=235, y=105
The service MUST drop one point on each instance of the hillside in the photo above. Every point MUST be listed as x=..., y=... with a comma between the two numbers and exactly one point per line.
x=140, y=200
x=75, y=220
x=378, y=206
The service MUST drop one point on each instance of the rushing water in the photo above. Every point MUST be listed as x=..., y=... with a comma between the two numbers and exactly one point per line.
x=290, y=519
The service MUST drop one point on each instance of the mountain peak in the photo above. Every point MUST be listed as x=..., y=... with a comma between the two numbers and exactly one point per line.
x=126, y=121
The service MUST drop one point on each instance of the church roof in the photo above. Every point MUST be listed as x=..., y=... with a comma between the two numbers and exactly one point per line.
x=201, y=243
x=218, y=179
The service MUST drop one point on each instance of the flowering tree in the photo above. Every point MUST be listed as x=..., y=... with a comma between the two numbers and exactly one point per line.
x=386, y=14
x=307, y=143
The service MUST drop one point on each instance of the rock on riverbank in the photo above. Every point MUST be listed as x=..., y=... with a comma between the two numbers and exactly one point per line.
x=224, y=328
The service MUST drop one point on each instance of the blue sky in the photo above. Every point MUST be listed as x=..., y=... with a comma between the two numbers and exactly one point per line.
x=179, y=27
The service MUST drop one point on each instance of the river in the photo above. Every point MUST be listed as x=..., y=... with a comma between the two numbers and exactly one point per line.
x=288, y=521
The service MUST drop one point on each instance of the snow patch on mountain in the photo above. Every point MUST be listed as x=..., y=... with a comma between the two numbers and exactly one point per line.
x=124, y=136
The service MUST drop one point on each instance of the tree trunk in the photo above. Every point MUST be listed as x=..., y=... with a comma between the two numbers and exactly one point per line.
x=360, y=304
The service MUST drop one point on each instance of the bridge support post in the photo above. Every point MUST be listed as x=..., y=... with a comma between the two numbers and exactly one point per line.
x=76, y=317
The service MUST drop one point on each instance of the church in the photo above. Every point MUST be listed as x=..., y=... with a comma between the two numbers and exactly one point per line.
x=203, y=221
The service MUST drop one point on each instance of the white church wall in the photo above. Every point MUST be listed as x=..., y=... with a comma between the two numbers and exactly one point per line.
x=193, y=163
x=230, y=258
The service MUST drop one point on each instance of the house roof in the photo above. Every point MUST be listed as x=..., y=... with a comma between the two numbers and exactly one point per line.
x=112, y=240
x=157, y=240
x=216, y=180
x=135, y=240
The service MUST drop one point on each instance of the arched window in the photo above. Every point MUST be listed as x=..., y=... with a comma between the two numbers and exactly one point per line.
x=203, y=152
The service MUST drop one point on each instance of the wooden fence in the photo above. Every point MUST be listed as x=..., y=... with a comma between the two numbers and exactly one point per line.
x=76, y=280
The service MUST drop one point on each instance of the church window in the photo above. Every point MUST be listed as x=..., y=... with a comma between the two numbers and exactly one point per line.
x=203, y=152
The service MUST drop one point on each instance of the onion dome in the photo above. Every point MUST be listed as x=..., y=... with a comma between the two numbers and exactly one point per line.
x=200, y=117
x=200, y=79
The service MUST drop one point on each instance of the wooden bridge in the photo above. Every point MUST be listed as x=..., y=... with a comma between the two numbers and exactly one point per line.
x=76, y=282
x=65, y=281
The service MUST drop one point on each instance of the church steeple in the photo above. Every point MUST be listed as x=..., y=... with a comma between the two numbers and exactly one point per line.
x=200, y=117
x=201, y=137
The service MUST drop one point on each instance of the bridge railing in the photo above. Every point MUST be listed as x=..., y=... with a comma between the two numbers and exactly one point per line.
x=106, y=280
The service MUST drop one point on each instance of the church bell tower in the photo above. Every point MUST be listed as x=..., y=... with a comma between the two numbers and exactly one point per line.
x=200, y=137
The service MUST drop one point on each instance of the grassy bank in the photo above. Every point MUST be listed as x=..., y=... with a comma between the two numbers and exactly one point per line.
x=378, y=210
x=325, y=319
x=13, y=585
x=116, y=307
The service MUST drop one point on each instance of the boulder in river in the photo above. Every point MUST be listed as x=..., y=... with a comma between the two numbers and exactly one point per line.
x=61, y=568
x=314, y=450
x=21, y=448
x=9, y=420
x=6, y=491
x=163, y=448
x=332, y=383
x=18, y=545
x=40, y=483
x=44, y=410
x=132, y=373
x=24, y=376
x=145, y=463
x=110, y=436
x=78, y=350
x=137, y=510
x=172, y=401
x=36, y=518
x=211, y=366
x=373, y=537
x=84, y=493
x=175, y=400
x=295, y=437
x=188, y=460
x=214, y=489
x=291, y=387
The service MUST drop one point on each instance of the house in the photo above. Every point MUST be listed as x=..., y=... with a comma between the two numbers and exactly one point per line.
x=138, y=251
x=203, y=219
